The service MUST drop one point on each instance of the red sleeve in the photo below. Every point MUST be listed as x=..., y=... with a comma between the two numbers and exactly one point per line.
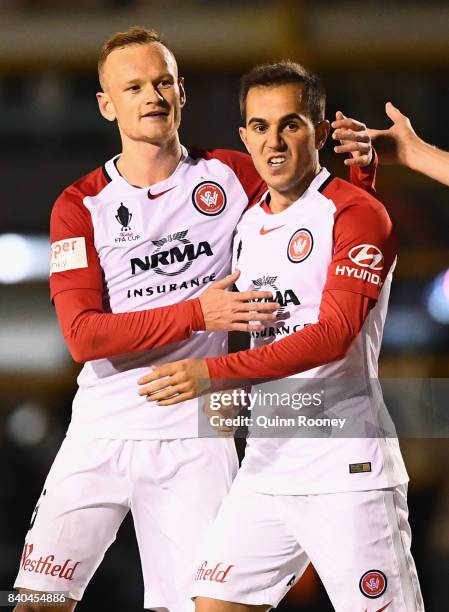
x=341, y=318
x=76, y=285
x=365, y=246
x=91, y=333
x=364, y=252
x=365, y=177
x=74, y=259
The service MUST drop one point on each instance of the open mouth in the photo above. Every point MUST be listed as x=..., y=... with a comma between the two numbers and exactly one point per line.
x=276, y=161
x=155, y=114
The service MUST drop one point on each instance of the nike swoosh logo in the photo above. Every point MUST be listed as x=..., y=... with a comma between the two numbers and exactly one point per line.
x=383, y=608
x=154, y=196
x=264, y=231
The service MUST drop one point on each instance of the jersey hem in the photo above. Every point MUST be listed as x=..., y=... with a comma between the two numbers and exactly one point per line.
x=248, y=482
x=131, y=435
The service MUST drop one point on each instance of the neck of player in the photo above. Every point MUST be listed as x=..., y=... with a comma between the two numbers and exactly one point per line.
x=281, y=198
x=143, y=164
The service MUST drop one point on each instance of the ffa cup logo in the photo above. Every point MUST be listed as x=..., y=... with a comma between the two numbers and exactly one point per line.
x=124, y=217
x=126, y=234
x=209, y=198
x=300, y=245
x=373, y=584
x=367, y=256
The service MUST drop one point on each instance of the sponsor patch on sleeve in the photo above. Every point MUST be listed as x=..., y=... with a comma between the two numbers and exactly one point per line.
x=68, y=254
x=365, y=262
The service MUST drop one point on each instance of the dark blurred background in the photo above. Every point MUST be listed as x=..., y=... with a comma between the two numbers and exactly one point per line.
x=51, y=134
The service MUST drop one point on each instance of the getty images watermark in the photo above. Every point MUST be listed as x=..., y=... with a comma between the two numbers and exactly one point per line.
x=332, y=408
x=221, y=401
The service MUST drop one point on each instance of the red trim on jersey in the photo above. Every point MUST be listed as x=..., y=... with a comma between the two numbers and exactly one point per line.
x=265, y=207
x=91, y=333
x=365, y=177
x=360, y=221
x=71, y=219
x=241, y=164
x=341, y=318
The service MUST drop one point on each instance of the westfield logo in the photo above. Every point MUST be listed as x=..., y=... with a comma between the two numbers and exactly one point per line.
x=217, y=573
x=46, y=565
x=264, y=231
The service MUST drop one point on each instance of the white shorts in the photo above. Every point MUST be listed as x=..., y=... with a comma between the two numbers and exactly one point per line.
x=359, y=543
x=173, y=489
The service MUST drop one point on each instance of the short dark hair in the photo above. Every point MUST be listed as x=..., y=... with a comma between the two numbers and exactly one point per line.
x=284, y=73
x=133, y=36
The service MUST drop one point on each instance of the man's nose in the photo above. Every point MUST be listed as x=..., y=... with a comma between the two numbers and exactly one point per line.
x=274, y=140
x=152, y=95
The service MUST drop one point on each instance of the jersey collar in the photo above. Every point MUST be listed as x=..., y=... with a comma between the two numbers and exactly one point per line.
x=112, y=173
x=317, y=183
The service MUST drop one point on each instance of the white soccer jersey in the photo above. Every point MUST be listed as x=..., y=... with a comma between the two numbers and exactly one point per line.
x=145, y=248
x=328, y=239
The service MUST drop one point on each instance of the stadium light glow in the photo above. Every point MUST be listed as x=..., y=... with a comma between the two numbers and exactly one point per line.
x=438, y=298
x=28, y=424
x=23, y=258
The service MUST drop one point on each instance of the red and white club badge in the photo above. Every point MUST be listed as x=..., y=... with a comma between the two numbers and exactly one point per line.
x=209, y=198
x=373, y=584
x=300, y=245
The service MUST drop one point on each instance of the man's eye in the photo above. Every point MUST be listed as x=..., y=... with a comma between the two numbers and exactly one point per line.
x=166, y=83
x=291, y=127
x=133, y=88
x=259, y=128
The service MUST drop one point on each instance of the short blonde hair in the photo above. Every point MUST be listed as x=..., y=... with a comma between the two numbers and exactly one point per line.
x=133, y=36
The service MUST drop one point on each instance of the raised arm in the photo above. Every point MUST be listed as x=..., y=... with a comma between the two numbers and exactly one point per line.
x=400, y=144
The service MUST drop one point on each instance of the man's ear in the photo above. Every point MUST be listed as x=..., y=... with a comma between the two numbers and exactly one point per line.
x=242, y=132
x=105, y=105
x=182, y=91
x=322, y=130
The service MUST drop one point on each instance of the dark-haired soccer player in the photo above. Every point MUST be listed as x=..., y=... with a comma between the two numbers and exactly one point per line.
x=141, y=253
x=336, y=500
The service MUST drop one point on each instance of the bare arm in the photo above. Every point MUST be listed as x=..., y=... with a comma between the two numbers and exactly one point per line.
x=400, y=144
